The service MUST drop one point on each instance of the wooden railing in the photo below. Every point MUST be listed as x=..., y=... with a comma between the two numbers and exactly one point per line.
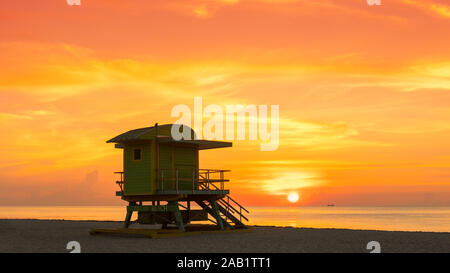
x=208, y=178
x=120, y=182
x=181, y=178
x=194, y=179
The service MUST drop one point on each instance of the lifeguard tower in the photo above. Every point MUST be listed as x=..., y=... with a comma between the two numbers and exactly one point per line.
x=161, y=178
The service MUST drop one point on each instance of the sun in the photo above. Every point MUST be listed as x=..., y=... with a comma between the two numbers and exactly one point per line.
x=292, y=197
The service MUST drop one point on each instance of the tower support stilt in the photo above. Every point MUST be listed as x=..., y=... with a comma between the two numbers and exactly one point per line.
x=129, y=214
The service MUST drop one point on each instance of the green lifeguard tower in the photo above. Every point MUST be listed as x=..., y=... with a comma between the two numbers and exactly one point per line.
x=165, y=173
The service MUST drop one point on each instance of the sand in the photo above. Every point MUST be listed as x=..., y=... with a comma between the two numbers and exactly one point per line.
x=53, y=236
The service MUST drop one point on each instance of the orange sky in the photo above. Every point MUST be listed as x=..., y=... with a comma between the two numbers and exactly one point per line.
x=364, y=95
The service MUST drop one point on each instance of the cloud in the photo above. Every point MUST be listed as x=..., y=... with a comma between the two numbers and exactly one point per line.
x=434, y=7
x=285, y=182
x=201, y=9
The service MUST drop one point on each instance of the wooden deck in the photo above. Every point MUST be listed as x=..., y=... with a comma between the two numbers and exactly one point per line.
x=181, y=195
x=166, y=233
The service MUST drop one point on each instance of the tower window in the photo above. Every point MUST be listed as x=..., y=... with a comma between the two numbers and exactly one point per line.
x=137, y=154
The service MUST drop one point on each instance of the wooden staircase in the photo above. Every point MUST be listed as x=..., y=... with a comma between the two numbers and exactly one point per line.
x=227, y=212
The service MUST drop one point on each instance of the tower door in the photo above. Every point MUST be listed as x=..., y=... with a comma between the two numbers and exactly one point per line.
x=185, y=162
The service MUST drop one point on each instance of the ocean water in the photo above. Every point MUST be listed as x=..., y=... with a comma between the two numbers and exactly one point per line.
x=435, y=219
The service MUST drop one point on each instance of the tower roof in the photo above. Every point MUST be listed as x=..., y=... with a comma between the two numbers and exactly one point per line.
x=131, y=135
x=163, y=134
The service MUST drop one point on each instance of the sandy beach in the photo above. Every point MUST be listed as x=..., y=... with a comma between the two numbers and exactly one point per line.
x=53, y=236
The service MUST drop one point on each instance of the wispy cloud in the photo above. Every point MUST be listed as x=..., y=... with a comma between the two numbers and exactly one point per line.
x=435, y=7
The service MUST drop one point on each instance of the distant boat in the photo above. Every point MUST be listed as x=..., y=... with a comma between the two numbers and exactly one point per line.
x=330, y=205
